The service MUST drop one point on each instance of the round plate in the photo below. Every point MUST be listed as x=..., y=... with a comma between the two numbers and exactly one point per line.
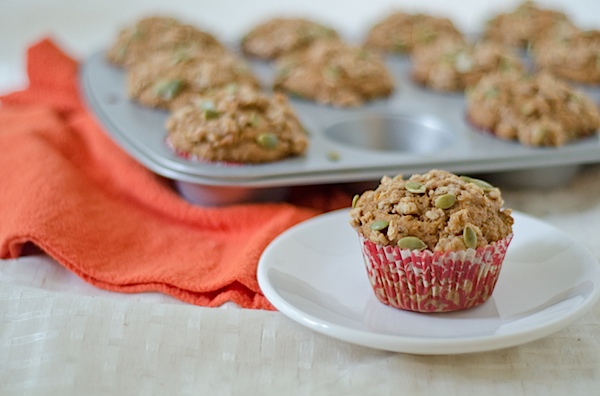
x=314, y=274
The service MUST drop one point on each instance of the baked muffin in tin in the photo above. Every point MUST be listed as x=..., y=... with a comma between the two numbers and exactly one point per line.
x=279, y=36
x=236, y=124
x=535, y=109
x=334, y=73
x=451, y=65
x=152, y=34
x=168, y=79
x=402, y=32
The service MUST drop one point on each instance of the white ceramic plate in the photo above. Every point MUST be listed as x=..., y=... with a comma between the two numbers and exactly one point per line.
x=314, y=274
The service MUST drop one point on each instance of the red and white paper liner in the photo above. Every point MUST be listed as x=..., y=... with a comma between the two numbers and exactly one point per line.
x=426, y=281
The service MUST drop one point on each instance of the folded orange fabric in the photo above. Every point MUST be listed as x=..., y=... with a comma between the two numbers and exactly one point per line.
x=67, y=188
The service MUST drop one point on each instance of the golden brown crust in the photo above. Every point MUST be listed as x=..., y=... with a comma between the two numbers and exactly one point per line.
x=331, y=72
x=455, y=65
x=241, y=125
x=416, y=214
x=280, y=36
x=537, y=110
x=169, y=79
x=402, y=33
x=524, y=25
x=572, y=54
x=157, y=33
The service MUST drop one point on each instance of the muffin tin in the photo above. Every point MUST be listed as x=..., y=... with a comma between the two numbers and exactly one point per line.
x=412, y=131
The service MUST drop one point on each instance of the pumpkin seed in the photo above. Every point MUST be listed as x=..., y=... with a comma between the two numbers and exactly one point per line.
x=412, y=243
x=414, y=187
x=168, y=89
x=211, y=114
x=333, y=155
x=355, y=200
x=445, y=201
x=379, y=225
x=470, y=237
x=485, y=186
x=267, y=140
x=527, y=108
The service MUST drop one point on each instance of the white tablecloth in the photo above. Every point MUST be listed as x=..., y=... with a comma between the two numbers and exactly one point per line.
x=59, y=335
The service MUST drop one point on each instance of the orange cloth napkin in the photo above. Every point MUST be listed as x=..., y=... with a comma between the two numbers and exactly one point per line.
x=68, y=189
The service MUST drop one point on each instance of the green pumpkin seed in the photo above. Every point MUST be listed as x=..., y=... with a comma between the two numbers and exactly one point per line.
x=485, y=186
x=445, y=201
x=211, y=114
x=267, y=140
x=470, y=237
x=414, y=187
x=333, y=155
x=168, y=89
x=490, y=93
x=331, y=72
x=412, y=243
x=355, y=200
x=379, y=225
x=527, y=108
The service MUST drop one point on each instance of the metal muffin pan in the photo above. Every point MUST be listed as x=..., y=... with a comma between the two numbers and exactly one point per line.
x=412, y=131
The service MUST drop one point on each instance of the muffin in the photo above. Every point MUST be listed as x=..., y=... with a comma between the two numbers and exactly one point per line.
x=456, y=65
x=169, y=79
x=523, y=26
x=572, y=54
x=158, y=33
x=536, y=110
x=334, y=73
x=402, y=33
x=280, y=36
x=434, y=242
x=236, y=124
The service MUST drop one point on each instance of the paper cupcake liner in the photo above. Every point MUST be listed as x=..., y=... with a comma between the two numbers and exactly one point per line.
x=426, y=281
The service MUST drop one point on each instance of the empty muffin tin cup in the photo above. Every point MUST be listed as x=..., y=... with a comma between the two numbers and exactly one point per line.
x=390, y=132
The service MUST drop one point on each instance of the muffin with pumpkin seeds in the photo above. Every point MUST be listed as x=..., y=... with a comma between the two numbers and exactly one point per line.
x=535, y=109
x=402, y=33
x=236, y=124
x=433, y=242
x=149, y=35
x=450, y=65
x=169, y=79
x=334, y=73
x=280, y=36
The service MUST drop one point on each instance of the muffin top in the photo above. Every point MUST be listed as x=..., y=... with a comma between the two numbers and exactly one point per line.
x=524, y=25
x=236, y=124
x=335, y=73
x=169, y=79
x=148, y=35
x=437, y=210
x=450, y=65
x=570, y=53
x=536, y=110
x=280, y=36
x=402, y=33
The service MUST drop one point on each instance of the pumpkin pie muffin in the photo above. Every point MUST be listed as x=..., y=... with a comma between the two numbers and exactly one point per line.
x=169, y=79
x=536, y=110
x=450, y=65
x=236, y=124
x=433, y=242
x=158, y=33
x=279, y=36
x=572, y=54
x=402, y=33
x=334, y=73
x=524, y=25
